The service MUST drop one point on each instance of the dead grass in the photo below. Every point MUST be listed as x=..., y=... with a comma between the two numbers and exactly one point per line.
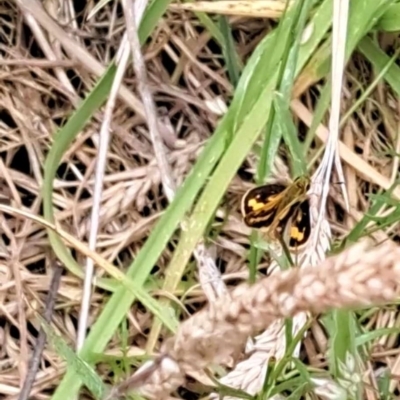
x=186, y=73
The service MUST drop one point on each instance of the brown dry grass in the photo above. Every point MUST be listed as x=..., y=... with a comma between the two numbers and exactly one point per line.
x=185, y=70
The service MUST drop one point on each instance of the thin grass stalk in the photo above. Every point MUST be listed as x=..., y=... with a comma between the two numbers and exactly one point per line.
x=122, y=58
x=104, y=139
x=321, y=178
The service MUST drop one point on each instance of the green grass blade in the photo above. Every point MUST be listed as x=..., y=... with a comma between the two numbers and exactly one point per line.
x=377, y=333
x=384, y=386
x=211, y=27
x=91, y=380
x=277, y=123
x=285, y=127
x=380, y=60
x=343, y=339
x=119, y=303
x=378, y=203
x=229, y=51
x=234, y=156
x=68, y=133
x=155, y=10
x=61, y=142
x=390, y=20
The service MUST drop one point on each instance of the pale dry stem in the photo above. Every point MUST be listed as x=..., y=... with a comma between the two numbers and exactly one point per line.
x=358, y=277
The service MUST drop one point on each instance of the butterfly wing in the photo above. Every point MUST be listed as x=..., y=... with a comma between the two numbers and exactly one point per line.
x=260, y=205
x=297, y=224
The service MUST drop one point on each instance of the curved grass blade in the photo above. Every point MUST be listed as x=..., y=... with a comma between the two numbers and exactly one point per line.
x=89, y=377
x=62, y=139
x=121, y=300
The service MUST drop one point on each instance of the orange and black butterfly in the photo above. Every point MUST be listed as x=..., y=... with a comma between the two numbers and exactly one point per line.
x=280, y=210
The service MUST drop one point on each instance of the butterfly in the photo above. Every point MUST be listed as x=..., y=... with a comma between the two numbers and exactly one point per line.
x=279, y=211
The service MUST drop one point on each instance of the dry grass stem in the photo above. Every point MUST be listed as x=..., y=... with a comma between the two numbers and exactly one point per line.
x=75, y=50
x=259, y=8
x=132, y=21
x=321, y=177
x=123, y=57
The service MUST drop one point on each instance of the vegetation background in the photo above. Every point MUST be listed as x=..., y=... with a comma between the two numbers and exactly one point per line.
x=242, y=93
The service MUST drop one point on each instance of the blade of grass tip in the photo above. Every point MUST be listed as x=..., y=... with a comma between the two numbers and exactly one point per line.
x=229, y=51
x=119, y=303
x=360, y=230
x=365, y=338
x=155, y=10
x=286, y=128
x=212, y=27
x=104, y=138
x=384, y=222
